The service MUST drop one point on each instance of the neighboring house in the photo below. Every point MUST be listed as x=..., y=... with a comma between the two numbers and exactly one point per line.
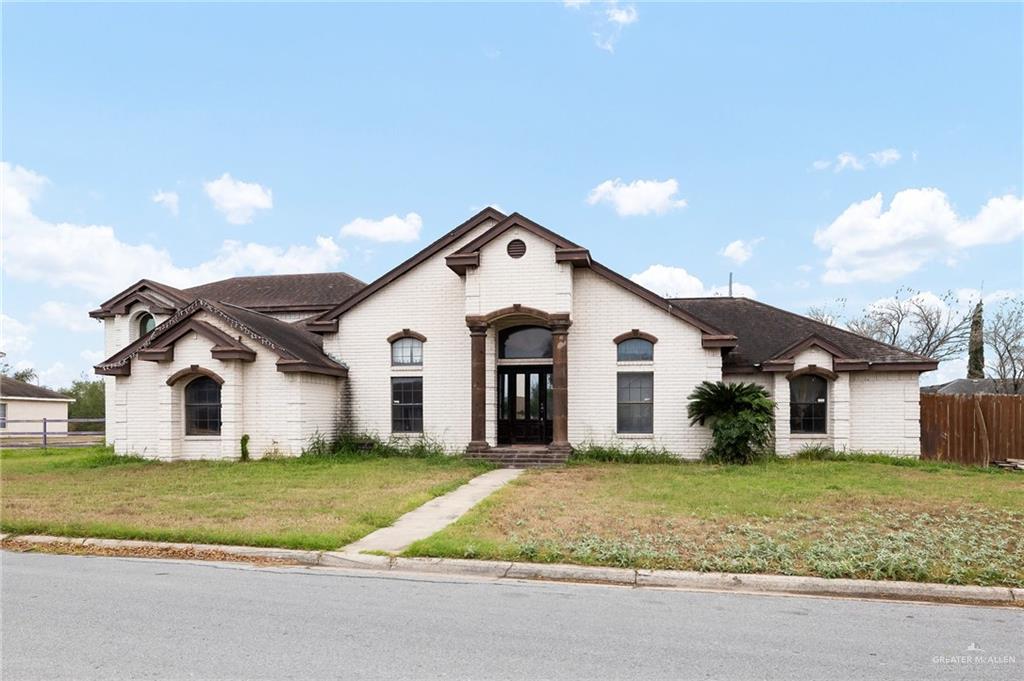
x=975, y=386
x=21, y=401
x=501, y=332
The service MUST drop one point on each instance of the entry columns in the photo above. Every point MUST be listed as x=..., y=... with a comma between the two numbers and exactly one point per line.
x=478, y=380
x=560, y=383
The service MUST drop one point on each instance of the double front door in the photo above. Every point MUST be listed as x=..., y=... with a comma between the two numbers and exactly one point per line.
x=524, y=404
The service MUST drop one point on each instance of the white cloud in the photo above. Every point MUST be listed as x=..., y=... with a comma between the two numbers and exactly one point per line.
x=15, y=337
x=238, y=200
x=847, y=160
x=55, y=376
x=639, y=197
x=740, y=251
x=389, y=229
x=885, y=157
x=65, y=316
x=867, y=243
x=93, y=357
x=850, y=161
x=623, y=16
x=608, y=21
x=168, y=200
x=93, y=259
x=676, y=282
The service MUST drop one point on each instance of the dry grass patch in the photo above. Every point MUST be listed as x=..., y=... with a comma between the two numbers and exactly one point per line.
x=292, y=503
x=827, y=518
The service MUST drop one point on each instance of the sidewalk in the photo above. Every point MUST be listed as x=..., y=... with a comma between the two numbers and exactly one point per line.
x=435, y=515
x=503, y=570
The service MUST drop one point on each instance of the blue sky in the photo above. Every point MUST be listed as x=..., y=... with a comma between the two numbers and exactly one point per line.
x=656, y=135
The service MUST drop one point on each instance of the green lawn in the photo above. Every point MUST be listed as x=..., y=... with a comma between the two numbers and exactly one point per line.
x=294, y=503
x=922, y=522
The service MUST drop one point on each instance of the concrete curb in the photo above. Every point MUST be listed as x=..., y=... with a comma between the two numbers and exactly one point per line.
x=660, y=579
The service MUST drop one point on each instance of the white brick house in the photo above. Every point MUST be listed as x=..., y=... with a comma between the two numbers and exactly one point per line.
x=500, y=333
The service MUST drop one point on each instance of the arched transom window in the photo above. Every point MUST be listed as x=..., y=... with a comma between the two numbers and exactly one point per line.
x=808, y=404
x=146, y=324
x=407, y=352
x=202, y=407
x=636, y=350
x=524, y=342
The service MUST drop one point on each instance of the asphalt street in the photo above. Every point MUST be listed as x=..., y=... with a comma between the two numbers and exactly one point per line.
x=88, y=617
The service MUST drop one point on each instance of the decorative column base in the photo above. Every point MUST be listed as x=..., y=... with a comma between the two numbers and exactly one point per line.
x=560, y=448
x=477, y=446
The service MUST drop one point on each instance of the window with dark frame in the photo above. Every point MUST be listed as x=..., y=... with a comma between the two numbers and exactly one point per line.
x=636, y=350
x=406, y=404
x=524, y=342
x=146, y=324
x=635, y=402
x=202, y=407
x=3, y=415
x=808, y=404
x=407, y=352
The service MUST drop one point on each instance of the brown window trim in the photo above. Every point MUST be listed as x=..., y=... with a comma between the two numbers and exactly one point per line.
x=193, y=371
x=406, y=333
x=635, y=333
x=815, y=370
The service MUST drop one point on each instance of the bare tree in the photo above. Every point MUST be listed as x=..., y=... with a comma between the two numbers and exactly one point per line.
x=829, y=313
x=937, y=328
x=1005, y=338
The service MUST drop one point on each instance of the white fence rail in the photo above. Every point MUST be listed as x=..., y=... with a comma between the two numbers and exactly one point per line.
x=50, y=434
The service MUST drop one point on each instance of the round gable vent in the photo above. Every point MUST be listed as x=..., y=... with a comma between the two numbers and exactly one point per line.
x=516, y=248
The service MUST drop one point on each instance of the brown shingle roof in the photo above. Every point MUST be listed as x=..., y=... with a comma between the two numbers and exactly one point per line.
x=764, y=332
x=12, y=388
x=277, y=292
x=974, y=386
x=298, y=349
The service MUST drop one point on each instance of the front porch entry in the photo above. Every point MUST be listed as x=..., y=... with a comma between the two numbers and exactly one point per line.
x=533, y=377
x=525, y=402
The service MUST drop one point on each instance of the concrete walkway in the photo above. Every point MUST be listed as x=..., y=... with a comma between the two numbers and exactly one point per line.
x=435, y=515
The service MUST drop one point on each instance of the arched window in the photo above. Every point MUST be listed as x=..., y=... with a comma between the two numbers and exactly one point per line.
x=202, y=407
x=808, y=404
x=636, y=350
x=146, y=324
x=407, y=352
x=524, y=342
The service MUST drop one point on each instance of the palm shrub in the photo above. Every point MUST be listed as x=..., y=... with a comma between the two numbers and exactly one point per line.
x=741, y=416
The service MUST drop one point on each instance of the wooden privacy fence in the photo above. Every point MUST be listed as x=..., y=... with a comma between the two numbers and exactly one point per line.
x=972, y=429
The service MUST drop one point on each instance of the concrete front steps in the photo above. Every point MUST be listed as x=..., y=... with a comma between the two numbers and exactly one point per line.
x=521, y=456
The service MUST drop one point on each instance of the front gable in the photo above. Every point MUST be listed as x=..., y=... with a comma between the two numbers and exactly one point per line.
x=157, y=298
x=823, y=353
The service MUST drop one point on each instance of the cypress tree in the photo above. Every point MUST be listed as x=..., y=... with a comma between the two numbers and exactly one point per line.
x=976, y=345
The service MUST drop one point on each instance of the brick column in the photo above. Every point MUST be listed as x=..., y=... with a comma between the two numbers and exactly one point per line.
x=560, y=384
x=478, y=381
